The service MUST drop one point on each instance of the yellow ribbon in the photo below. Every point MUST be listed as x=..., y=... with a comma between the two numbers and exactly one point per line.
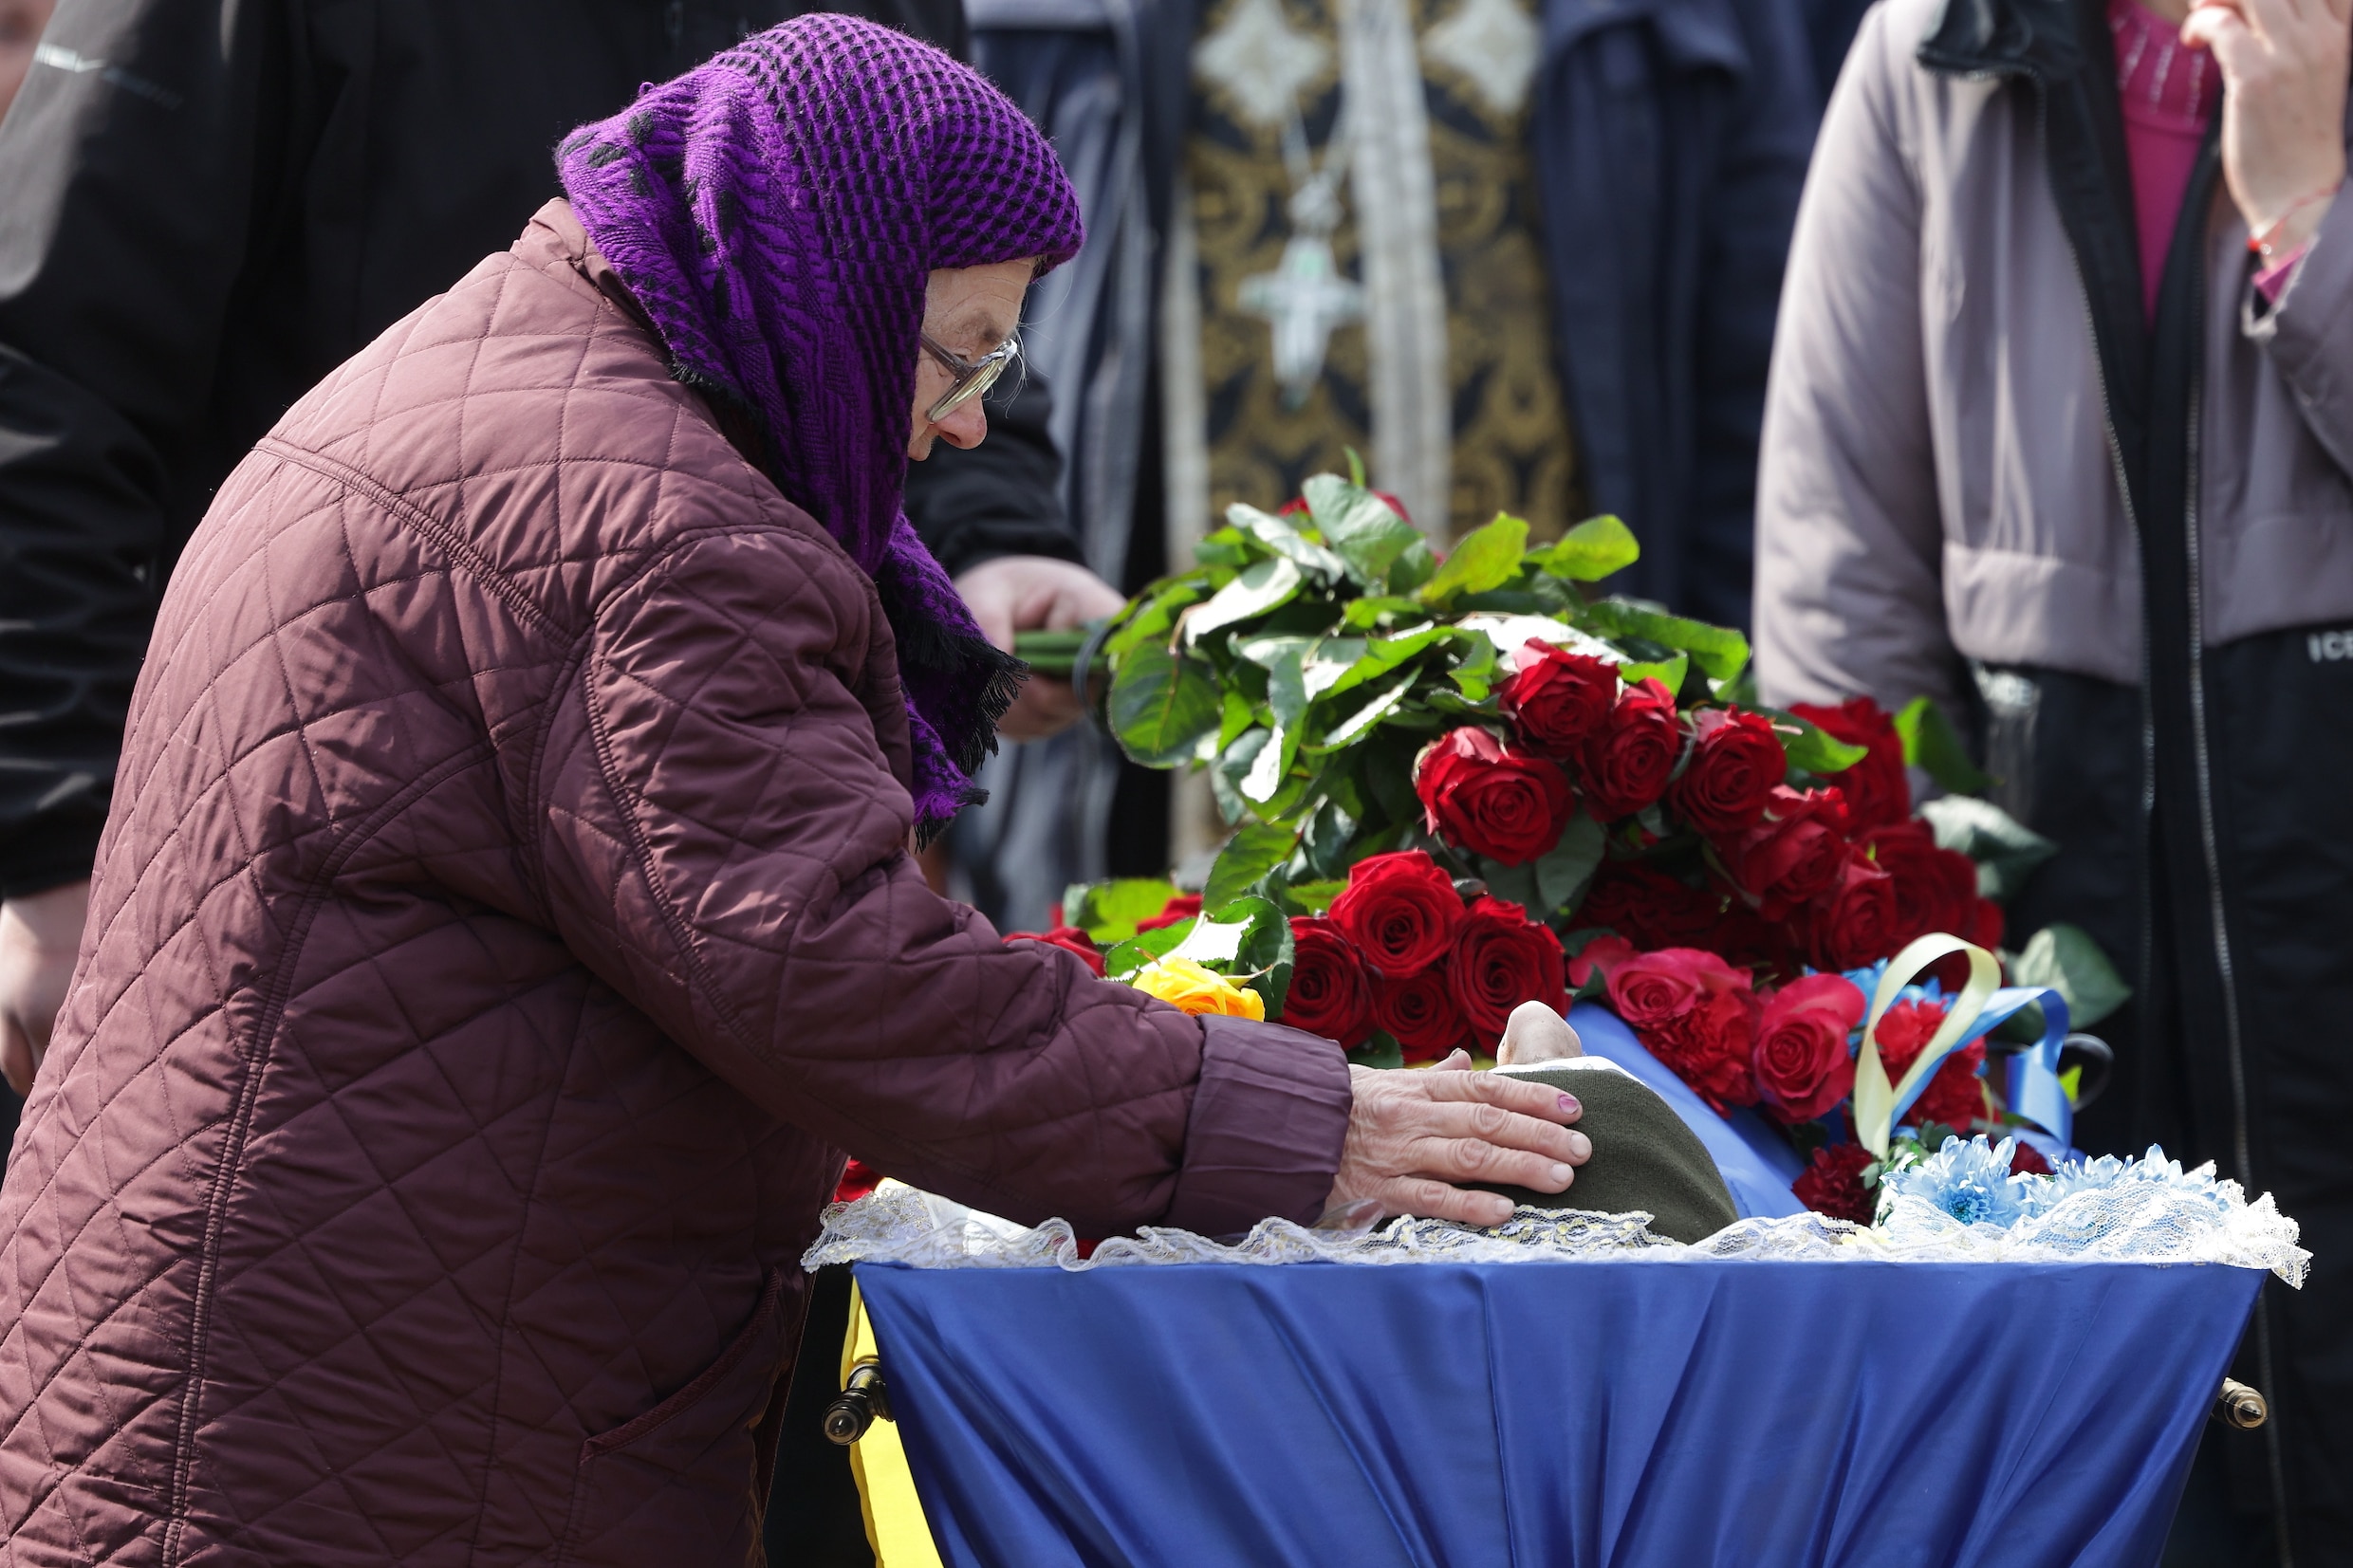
x=1875, y=1097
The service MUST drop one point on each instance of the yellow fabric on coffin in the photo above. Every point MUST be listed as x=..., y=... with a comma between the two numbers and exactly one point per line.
x=895, y=1525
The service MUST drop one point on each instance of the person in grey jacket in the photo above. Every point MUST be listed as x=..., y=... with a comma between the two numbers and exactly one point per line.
x=2086, y=477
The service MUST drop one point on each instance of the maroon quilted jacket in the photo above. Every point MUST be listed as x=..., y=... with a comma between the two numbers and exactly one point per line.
x=503, y=928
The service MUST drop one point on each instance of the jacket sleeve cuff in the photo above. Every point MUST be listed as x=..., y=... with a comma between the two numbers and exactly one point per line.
x=2307, y=331
x=1269, y=1117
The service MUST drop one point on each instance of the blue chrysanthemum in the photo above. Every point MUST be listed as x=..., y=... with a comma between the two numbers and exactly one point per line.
x=2154, y=1168
x=1969, y=1181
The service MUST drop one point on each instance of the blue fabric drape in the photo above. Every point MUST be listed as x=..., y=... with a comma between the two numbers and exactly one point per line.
x=1661, y=1414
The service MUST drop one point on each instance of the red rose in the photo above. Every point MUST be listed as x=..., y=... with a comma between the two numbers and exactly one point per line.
x=1803, y=1066
x=1485, y=798
x=1626, y=764
x=1649, y=908
x=1832, y=1183
x=1602, y=953
x=1400, y=911
x=1331, y=993
x=1695, y=1013
x=859, y=1178
x=1936, y=889
x=1876, y=787
x=1184, y=906
x=1736, y=760
x=2026, y=1160
x=1791, y=855
x=1068, y=939
x=1419, y=1010
x=1985, y=925
x=1501, y=959
x=1954, y=1094
x=1558, y=698
x=1854, y=924
x=1659, y=987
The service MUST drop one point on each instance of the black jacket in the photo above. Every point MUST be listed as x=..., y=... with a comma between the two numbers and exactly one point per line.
x=206, y=205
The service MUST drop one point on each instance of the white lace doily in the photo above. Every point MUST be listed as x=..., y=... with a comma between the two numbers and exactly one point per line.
x=2137, y=1223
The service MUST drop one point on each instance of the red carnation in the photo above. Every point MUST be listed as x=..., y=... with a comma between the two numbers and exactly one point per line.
x=1625, y=765
x=1490, y=799
x=1695, y=1013
x=1558, y=698
x=1936, y=889
x=1792, y=855
x=1854, y=924
x=1501, y=959
x=1331, y=992
x=1713, y=1048
x=1803, y=1065
x=859, y=1178
x=1648, y=907
x=1736, y=760
x=2026, y=1160
x=1420, y=1011
x=1954, y=1094
x=1400, y=910
x=1876, y=787
x=1832, y=1183
x=1068, y=939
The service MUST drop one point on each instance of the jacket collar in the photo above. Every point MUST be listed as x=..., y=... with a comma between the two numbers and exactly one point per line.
x=2039, y=39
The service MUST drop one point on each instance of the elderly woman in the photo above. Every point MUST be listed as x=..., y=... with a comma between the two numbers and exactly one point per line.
x=507, y=922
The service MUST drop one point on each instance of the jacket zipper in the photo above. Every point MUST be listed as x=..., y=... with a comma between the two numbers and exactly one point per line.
x=2132, y=520
x=2209, y=843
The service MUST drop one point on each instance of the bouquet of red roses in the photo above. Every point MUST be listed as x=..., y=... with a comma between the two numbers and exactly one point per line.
x=1461, y=783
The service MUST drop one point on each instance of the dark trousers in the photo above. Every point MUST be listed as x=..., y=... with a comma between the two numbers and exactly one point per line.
x=2230, y=910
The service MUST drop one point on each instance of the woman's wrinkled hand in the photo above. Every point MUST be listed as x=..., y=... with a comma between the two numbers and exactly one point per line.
x=2284, y=66
x=1413, y=1134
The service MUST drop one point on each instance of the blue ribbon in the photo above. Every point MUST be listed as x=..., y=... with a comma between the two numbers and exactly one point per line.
x=2031, y=1088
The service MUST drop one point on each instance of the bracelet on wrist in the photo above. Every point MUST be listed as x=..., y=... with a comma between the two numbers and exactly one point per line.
x=2264, y=242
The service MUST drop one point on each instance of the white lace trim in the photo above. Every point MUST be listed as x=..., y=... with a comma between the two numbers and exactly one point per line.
x=900, y=1225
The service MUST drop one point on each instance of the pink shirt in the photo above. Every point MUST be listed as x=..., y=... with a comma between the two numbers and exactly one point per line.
x=2170, y=93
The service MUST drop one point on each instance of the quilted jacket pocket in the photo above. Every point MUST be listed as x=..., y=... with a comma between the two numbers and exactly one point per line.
x=681, y=1484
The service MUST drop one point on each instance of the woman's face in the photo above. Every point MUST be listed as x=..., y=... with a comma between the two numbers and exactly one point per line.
x=967, y=311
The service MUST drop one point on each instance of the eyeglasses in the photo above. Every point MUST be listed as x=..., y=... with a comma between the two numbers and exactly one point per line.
x=972, y=377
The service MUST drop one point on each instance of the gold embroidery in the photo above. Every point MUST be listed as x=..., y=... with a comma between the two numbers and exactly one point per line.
x=1512, y=447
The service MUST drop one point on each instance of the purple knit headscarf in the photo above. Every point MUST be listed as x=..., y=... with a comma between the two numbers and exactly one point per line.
x=776, y=211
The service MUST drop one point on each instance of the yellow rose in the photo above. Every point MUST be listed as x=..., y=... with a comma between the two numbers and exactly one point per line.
x=1185, y=985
